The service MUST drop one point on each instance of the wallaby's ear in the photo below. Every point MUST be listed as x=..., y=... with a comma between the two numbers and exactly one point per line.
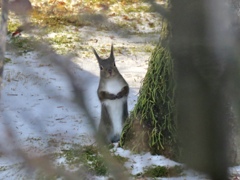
x=94, y=51
x=111, y=55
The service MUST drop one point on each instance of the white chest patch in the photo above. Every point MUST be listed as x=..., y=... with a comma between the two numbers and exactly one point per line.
x=115, y=110
x=114, y=86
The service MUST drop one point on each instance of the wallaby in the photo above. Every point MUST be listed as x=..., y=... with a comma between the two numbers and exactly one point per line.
x=113, y=93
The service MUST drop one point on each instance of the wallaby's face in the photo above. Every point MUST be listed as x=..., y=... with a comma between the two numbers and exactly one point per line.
x=107, y=66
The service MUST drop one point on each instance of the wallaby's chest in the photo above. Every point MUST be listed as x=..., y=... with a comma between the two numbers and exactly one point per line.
x=113, y=86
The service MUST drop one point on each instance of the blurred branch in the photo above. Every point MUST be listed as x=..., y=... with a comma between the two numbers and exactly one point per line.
x=204, y=59
x=37, y=163
x=3, y=36
x=114, y=166
x=64, y=63
x=19, y=7
x=159, y=9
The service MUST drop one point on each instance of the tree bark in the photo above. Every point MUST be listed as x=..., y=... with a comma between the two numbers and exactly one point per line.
x=151, y=125
x=197, y=56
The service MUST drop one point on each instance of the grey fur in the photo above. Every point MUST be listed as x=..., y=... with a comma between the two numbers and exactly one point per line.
x=112, y=92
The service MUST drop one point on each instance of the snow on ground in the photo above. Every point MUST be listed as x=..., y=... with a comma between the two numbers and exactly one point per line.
x=137, y=163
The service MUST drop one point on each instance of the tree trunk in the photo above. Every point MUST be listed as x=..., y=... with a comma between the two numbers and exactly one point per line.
x=151, y=124
x=197, y=40
x=202, y=49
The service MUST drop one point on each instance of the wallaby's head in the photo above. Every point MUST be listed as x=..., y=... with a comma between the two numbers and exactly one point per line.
x=107, y=66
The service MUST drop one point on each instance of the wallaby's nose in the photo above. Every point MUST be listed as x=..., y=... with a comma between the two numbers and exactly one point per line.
x=115, y=138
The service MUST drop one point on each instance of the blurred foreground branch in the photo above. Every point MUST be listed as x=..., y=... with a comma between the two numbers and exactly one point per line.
x=203, y=50
x=3, y=36
x=64, y=64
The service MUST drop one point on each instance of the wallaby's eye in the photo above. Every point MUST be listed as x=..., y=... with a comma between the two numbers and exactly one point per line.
x=114, y=64
x=101, y=67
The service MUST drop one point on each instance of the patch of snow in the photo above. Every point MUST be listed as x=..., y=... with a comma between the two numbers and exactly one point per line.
x=138, y=162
